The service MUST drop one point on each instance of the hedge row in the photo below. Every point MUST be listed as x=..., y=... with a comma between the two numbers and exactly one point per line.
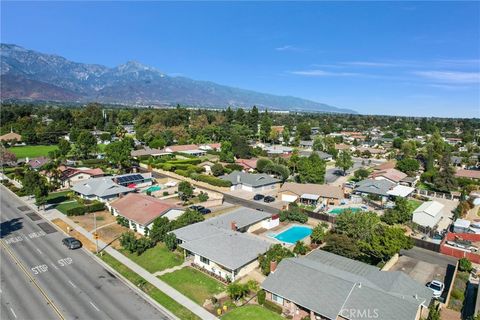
x=81, y=210
x=272, y=306
x=213, y=180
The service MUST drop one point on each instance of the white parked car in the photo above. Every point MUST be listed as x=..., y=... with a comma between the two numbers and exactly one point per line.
x=437, y=288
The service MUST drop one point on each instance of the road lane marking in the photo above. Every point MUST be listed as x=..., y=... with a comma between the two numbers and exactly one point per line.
x=39, y=251
x=13, y=312
x=72, y=284
x=54, y=266
x=94, y=306
x=32, y=279
x=41, y=268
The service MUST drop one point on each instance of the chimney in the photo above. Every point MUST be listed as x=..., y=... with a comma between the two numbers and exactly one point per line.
x=273, y=266
x=238, y=178
x=233, y=225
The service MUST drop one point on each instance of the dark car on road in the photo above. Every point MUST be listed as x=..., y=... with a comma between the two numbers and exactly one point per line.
x=205, y=211
x=268, y=199
x=197, y=208
x=258, y=197
x=72, y=243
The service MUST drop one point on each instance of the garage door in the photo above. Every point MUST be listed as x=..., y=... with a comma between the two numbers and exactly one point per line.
x=289, y=198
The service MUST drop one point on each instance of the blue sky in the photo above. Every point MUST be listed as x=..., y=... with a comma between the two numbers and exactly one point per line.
x=405, y=58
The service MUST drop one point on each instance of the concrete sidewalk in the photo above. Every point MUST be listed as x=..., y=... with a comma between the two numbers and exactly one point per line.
x=162, y=286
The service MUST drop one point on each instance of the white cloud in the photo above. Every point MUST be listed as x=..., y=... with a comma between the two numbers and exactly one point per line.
x=369, y=64
x=450, y=76
x=288, y=48
x=322, y=73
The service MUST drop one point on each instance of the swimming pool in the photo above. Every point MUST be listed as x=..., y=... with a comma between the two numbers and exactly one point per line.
x=293, y=234
x=340, y=210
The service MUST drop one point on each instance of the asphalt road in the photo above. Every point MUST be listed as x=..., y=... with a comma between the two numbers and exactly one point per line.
x=332, y=174
x=79, y=287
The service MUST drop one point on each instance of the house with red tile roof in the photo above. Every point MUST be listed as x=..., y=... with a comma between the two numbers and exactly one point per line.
x=249, y=165
x=70, y=176
x=392, y=175
x=141, y=210
x=469, y=174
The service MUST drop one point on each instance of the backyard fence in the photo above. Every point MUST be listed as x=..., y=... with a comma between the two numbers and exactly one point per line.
x=320, y=216
x=435, y=194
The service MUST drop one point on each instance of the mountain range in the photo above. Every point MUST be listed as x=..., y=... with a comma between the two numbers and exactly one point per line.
x=31, y=75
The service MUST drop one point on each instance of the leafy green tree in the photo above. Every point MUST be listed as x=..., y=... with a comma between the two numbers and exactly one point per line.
x=434, y=312
x=361, y=174
x=343, y=245
x=86, y=144
x=465, y=265
x=318, y=144
x=263, y=164
x=253, y=119
x=185, y=190
x=401, y=213
x=161, y=226
x=318, y=233
x=265, y=127
x=408, y=165
x=203, y=196
x=293, y=213
x=276, y=253
x=286, y=136
x=237, y=290
x=397, y=143
x=64, y=147
x=170, y=241
x=300, y=248
x=218, y=169
x=187, y=218
x=445, y=180
x=344, y=161
x=226, y=152
x=357, y=225
x=311, y=169
x=304, y=130
x=119, y=152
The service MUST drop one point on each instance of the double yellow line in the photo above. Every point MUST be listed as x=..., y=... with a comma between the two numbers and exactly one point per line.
x=32, y=279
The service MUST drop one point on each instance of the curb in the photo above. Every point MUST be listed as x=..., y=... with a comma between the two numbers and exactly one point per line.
x=137, y=290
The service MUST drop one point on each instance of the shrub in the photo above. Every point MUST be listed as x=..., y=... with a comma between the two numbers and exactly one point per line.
x=170, y=241
x=465, y=265
x=457, y=294
x=96, y=206
x=213, y=181
x=234, y=167
x=165, y=193
x=203, y=196
x=272, y=307
x=300, y=248
x=183, y=173
x=294, y=213
x=261, y=296
x=237, y=290
x=76, y=211
x=123, y=221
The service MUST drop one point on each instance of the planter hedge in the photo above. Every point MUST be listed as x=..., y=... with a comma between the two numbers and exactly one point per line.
x=272, y=306
x=96, y=206
x=76, y=211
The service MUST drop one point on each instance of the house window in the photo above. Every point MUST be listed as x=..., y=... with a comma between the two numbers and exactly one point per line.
x=277, y=299
x=204, y=260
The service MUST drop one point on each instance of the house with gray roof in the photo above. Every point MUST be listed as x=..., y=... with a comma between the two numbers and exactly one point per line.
x=250, y=181
x=323, y=155
x=374, y=187
x=102, y=189
x=224, y=245
x=328, y=286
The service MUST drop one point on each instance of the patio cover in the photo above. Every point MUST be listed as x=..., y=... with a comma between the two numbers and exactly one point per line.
x=401, y=191
x=310, y=196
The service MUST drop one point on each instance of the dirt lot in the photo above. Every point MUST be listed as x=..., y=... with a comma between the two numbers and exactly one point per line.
x=111, y=233
x=87, y=222
x=86, y=243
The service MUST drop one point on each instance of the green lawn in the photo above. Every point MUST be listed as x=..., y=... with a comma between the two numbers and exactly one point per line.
x=58, y=197
x=32, y=151
x=156, y=259
x=413, y=204
x=159, y=296
x=251, y=312
x=63, y=207
x=194, y=284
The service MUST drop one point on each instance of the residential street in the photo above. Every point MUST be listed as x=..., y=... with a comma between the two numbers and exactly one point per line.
x=77, y=285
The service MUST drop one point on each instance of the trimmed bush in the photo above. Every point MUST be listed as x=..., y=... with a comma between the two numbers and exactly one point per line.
x=261, y=297
x=96, y=206
x=272, y=306
x=213, y=181
x=184, y=173
x=76, y=211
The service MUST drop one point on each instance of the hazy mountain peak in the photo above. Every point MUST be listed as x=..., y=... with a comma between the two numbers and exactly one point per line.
x=27, y=74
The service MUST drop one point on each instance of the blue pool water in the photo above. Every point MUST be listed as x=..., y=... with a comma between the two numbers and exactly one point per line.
x=293, y=234
x=153, y=188
x=340, y=210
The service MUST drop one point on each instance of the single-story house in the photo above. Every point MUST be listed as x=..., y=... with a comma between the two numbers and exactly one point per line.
x=101, y=189
x=428, y=214
x=373, y=151
x=461, y=226
x=250, y=181
x=141, y=210
x=37, y=163
x=323, y=285
x=391, y=164
x=11, y=137
x=249, y=165
x=307, y=144
x=222, y=246
x=147, y=151
x=70, y=175
x=210, y=146
x=310, y=193
x=374, y=187
x=323, y=155
x=470, y=174
x=134, y=180
x=392, y=175
x=274, y=150
x=191, y=149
